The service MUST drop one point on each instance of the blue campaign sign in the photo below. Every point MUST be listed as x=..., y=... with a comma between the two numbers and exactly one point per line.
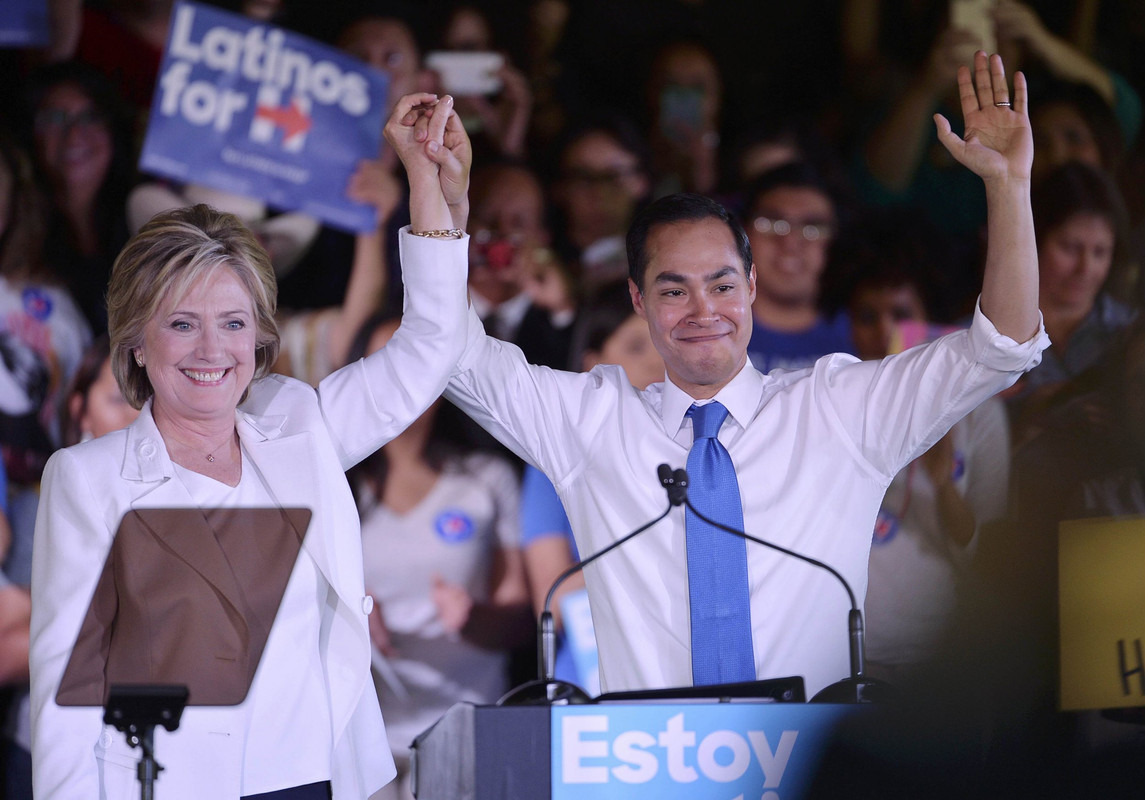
x=258, y=111
x=23, y=23
x=718, y=751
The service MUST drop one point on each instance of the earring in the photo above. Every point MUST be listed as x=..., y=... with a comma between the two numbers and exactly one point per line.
x=139, y=359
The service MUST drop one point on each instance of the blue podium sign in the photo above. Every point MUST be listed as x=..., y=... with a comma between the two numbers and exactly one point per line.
x=718, y=751
x=255, y=110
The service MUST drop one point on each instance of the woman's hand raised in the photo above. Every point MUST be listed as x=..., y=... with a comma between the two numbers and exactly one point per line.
x=432, y=144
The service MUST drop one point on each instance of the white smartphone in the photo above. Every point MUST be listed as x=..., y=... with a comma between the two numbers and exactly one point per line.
x=465, y=74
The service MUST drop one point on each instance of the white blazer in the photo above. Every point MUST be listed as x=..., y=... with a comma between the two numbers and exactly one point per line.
x=302, y=441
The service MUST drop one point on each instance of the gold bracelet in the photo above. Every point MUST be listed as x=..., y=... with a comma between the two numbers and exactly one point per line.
x=453, y=233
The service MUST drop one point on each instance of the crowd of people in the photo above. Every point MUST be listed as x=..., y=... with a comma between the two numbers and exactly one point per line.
x=867, y=236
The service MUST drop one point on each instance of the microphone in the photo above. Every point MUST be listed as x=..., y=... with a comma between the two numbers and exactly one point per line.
x=857, y=688
x=547, y=689
x=676, y=484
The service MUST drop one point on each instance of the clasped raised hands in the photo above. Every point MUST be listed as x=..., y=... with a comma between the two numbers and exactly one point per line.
x=428, y=137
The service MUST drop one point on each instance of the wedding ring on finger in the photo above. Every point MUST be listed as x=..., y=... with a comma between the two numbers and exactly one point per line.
x=1003, y=104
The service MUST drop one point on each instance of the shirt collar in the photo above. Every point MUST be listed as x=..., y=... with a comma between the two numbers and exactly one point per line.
x=740, y=397
x=146, y=456
x=510, y=313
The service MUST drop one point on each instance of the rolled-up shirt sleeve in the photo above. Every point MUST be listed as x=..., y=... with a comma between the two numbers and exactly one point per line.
x=1000, y=352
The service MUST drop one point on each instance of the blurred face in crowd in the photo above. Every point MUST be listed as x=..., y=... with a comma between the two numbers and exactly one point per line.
x=790, y=229
x=388, y=45
x=630, y=346
x=696, y=300
x=507, y=217
x=262, y=10
x=1061, y=134
x=199, y=350
x=600, y=184
x=508, y=202
x=1074, y=260
x=467, y=30
x=105, y=409
x=73, y=139
x=875, y=313
x=687, y=90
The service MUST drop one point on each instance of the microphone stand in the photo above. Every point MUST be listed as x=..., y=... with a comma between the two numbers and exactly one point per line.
x=858, y=688
x=547, y=689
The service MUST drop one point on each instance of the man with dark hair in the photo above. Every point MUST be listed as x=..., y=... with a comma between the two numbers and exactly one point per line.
x=802, y=458
x=682, y=207
x=791, y=216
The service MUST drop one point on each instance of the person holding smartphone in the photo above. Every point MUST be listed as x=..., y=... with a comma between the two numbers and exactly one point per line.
x=685, y=93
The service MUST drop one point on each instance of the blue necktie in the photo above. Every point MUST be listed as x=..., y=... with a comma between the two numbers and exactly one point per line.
x=717, y=560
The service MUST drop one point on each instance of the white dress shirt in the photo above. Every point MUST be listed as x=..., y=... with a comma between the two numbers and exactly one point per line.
x=814, y=450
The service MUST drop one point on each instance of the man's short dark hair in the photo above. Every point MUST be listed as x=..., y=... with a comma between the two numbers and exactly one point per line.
x=682, y=207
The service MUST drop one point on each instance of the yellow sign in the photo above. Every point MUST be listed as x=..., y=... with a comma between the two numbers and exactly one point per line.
x=1102, y=597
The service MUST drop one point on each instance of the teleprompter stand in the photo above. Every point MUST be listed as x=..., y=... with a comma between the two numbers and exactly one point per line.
x=135, y=710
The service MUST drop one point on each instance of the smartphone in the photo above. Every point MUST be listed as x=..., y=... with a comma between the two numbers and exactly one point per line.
x=497, y=253
x=681, y=112
x=976, y=17
x=466, y=74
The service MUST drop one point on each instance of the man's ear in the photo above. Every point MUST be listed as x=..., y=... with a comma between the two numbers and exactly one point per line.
x=751, y=282
x=637, y=299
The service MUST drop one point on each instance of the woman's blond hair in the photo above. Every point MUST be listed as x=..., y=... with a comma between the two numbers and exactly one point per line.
x=169, y=255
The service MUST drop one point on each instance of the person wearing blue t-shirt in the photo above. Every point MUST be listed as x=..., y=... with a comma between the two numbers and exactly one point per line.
x=791, y=218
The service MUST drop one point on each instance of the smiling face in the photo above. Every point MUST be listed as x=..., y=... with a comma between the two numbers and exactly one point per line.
x=697, y=300
x=73, y=140
x=199, y=352
x=790, y=230
x=1073, y=262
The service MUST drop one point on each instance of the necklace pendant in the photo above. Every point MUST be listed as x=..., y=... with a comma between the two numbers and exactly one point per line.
x=210, y=458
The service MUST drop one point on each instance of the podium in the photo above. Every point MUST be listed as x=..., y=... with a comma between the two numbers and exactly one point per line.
x=659, y=749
